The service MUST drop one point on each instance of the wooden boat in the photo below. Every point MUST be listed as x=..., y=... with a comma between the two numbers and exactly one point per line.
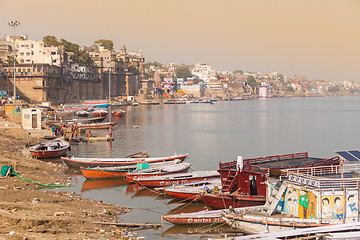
x=120, y=172
x=158, y=171
x=51, y=149
x=202, y=217
x=340, y=231
x=243, y=180
x=193, y=193
x=96, y=125
x=118, y=113
x=100, y=113
x=97, y=103
x=99, y=139
x=82, y=113
x=252, y=222
x=86, y=120
x=174, y=179
x=113, y=162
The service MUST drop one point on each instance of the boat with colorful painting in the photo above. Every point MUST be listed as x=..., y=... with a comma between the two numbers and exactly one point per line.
x=203, y=217
x=193, y=191
x=121, y=172
x=50, y=149
x=244, y=180
x=116, y=162
x=158, y=171
x=305, y=197
x=175, y=179
x=97, y=103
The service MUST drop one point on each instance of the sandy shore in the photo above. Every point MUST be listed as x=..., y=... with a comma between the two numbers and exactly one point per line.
x=29, y=213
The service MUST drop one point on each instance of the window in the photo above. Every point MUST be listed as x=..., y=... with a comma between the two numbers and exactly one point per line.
x=28, y=54
x=53, y=53
x=22, y=54
x=27, y=60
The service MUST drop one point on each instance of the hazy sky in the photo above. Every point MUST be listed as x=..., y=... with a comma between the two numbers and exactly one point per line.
x=317, y=38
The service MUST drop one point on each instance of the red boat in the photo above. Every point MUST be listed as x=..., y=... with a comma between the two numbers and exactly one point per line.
x=51, y=149
x=158, y=171
x=243, y=181
x=118, y=113
x=176, y=179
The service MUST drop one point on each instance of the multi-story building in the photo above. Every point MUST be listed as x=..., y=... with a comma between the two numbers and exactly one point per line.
x=203, y=71
x=36, y=52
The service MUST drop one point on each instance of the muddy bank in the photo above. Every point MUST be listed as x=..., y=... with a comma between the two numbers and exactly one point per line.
x=29, y=213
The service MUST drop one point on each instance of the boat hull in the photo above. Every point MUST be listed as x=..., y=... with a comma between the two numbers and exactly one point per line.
x=114, y=163
x=132, y=178
x=191, y=196
x=161, y=183
x=99, y=173
x=96, y=125
x=49, y=154
x=99, y=139
x=254, y=224
x=223, y=201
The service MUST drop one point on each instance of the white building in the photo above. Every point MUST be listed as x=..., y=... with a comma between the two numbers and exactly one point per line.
x=263, y=90
x=29, y=51
x=203, y=71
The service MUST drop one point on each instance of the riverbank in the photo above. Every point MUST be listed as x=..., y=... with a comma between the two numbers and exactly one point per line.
x=26, y=212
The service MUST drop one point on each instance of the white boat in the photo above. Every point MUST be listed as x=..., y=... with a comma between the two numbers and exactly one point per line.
x=113, y=162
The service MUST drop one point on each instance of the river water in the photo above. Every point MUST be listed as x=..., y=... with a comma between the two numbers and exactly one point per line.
x=211, y=133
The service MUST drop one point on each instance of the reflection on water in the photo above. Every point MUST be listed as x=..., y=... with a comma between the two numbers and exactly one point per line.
x=219, y=132
x=91, y=184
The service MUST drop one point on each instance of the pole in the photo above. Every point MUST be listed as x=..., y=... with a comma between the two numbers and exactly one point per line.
x=109, y=85
x=14, y=24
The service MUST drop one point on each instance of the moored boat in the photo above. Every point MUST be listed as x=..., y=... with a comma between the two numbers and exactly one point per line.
x=100, y=113
x=118, y=112
x=174, y=179
x=51, y=149
x=99, y=139
x=158, y=171
x=243, y=180
x=113, y=162
x=120, y=172
x=101, y=125
x=202, y=217
x=193, y=193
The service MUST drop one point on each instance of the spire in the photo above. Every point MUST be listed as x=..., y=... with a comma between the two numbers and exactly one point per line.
x=123, y=49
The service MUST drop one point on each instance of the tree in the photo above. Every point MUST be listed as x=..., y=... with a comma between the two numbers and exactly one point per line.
x=51, y=41
x=79, y=56
x=183, y=72
x=10, y=60
x=107, y=44
x=251, y=81
x=238, y=71
x=333, y=88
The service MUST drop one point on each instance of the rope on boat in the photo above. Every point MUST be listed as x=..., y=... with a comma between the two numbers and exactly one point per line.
x=209, y=227
x=42, y=184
